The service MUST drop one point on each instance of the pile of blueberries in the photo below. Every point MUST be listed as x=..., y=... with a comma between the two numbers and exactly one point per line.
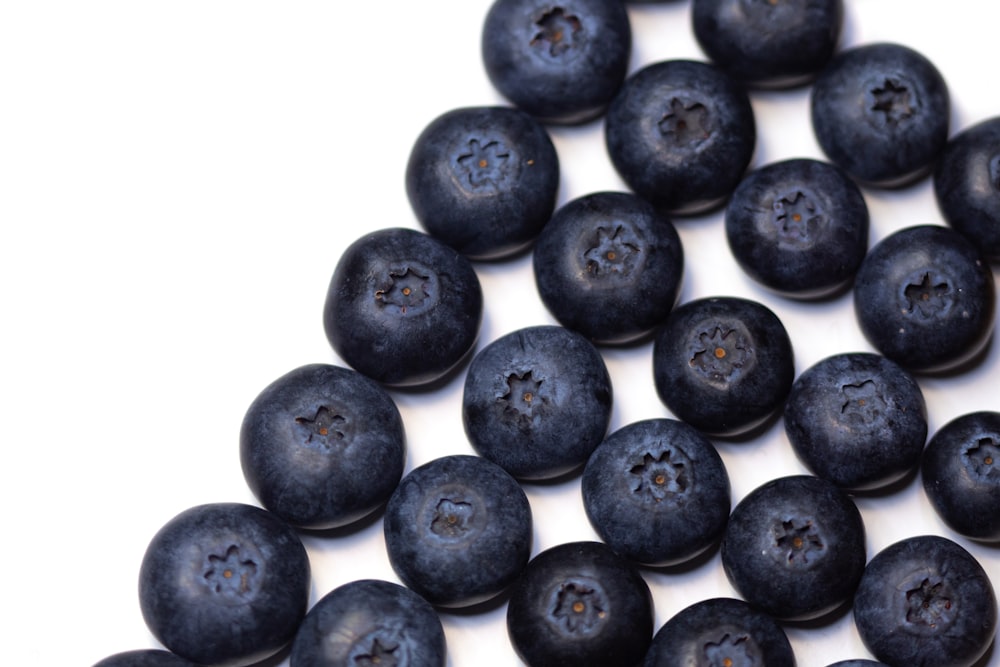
x=323, y=446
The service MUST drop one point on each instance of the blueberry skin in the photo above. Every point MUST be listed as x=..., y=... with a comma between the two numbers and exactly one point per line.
x=402, y=307
x=967, y=186
x=561, y=62
x=322, y=446
x=881, y=112
x=483, y=180
x=794, y=547
x=579, y=603
x=925, y=299
x=458, y=530
x=858, y=420
x=723, y=364
x=144, y=658
x=681, y=134
x=370, y=622
x=925, y=600
x=609, y=266
x=860, y=662
x=799, y=227
x=537, y=402
x=720, y=631
x=657, y=492
x=960, y=471
x=766, y=44
x=224, y=584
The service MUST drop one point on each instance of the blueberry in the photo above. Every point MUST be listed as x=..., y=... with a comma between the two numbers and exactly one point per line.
x=483, y=180
x=768, y=44
x=579, y=603
x=681, y=133
x=144, y=658
x=224, y=584
x=857, y=419
x=967, y=185
x=799, y=227
x=859, y=662
x=370, y=622
x=657, y=492
x=925, y=299
x=537, y=401
x=925, y=600
x=723, y=632
x=561, y=62
x=458, y=530
x=609, y=266
x=961, y=474
x=322, y=446
x=402, y=307
x=881, y=112
x=723, y=364
x=795, y=547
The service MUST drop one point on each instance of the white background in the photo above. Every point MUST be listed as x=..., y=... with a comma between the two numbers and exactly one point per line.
x=177, y=181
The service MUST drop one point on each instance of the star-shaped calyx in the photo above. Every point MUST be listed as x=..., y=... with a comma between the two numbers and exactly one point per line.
x=983, y=459
x=379, y=655
x=798, y=541
x=483, y=165
x=231, y=573
x=929, y=604
x=686, y=122
x=579, y=607
x=863, y=401
x=658, y=478
x=324, y=429
x=797, y=218
x=928, y=296
x=408, y=290
x=729, y=651
x=557, y=32
x=720, y=353
x=892, y=100
x=615, y=250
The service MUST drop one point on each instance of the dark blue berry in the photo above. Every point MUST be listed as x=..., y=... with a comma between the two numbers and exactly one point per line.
x=961, y=474
x=881, y=111
x=322, y=446
x=609, y=266
x=795, y=547
x=561, y=62
x=224, y=584
x=860, y=662
x=681, y=133
x=483, y=180
x=967, y=185
x=370, y=623
x=768, y=44
x=402, y=307
x=144, y=658
x=925, y=600
x=924, y=298
x=657, y=492
x=798, y=227
x=723, y=364
x=720, y=632
x=537, y=401
x=857, y=419
x=458, y=530
x=579, y=603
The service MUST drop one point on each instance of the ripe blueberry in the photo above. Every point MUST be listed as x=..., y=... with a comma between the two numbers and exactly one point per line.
x=483, y=180
x=144, y=658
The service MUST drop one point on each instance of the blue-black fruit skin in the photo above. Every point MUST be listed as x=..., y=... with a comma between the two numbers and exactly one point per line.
x=537, y=401
x=858, y=662
x=884, y=135
x=485, y=211
x=322, y=446
x=857, y=419
x=799, y=227
x=967, y=185
x=960, y=472
x=399, y=340
x=458, y=530
x=794, y=547
x=615, y=625
x=202, y=614
x=734, y=394
x=357, y=620
x=959, y=621
x=769, y=44
x=681, y=134
x=609, y=266
x=144, y=658
x=708, y=631
x=649, y=520
x=925, y=298
x=560, y=62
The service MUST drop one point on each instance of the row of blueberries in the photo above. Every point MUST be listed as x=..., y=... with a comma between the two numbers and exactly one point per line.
x=323, y=446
